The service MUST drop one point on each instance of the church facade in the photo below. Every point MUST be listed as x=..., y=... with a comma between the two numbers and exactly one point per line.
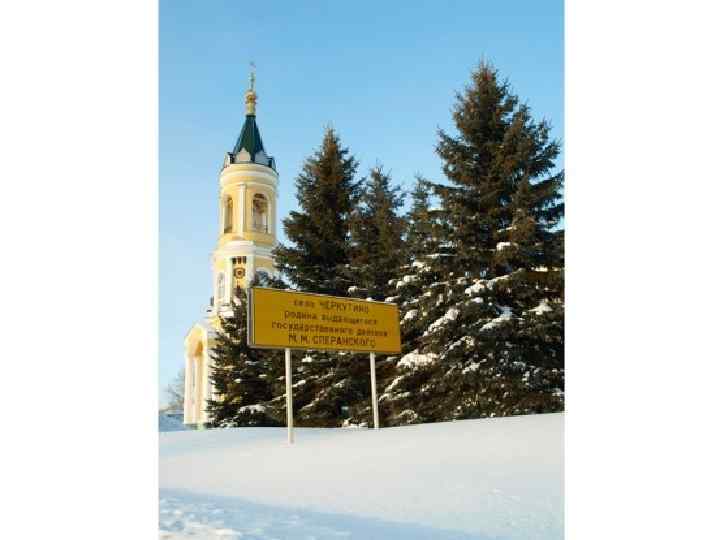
x=247, y=236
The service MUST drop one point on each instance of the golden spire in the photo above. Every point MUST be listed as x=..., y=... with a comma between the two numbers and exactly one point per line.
x=250, y=95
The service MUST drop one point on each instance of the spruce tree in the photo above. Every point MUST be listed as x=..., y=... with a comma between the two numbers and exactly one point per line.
x=420, y=238
x=483, y=318
x=377, y=235
x=498, y=147
x=327, y=193
x=318, y=261
x=242, y=376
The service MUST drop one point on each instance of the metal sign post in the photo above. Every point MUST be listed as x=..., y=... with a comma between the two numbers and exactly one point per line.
x=288, y=395
x=373, y=384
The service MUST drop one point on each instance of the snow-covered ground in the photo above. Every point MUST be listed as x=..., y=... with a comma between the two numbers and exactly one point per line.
x=474, y=479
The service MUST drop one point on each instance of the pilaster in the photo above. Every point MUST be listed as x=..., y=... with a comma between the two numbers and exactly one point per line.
x=187, y=405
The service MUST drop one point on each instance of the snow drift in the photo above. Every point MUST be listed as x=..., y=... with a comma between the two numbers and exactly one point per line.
x=496, y=478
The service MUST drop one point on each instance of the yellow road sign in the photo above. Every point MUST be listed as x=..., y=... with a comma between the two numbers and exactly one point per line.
x=279, y=319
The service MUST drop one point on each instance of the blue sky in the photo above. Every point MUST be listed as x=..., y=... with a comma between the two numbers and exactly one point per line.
x=383, y=74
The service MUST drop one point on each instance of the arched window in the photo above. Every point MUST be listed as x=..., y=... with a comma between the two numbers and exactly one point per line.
x=228, y=215
x=220, y=288
x=260, y=213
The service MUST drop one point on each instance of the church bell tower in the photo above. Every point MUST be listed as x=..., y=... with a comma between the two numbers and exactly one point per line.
x=246, y=238
x=248, y=210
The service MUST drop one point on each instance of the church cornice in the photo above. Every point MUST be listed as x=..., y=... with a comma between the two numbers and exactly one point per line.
x=242, y=179
x=244, y=247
